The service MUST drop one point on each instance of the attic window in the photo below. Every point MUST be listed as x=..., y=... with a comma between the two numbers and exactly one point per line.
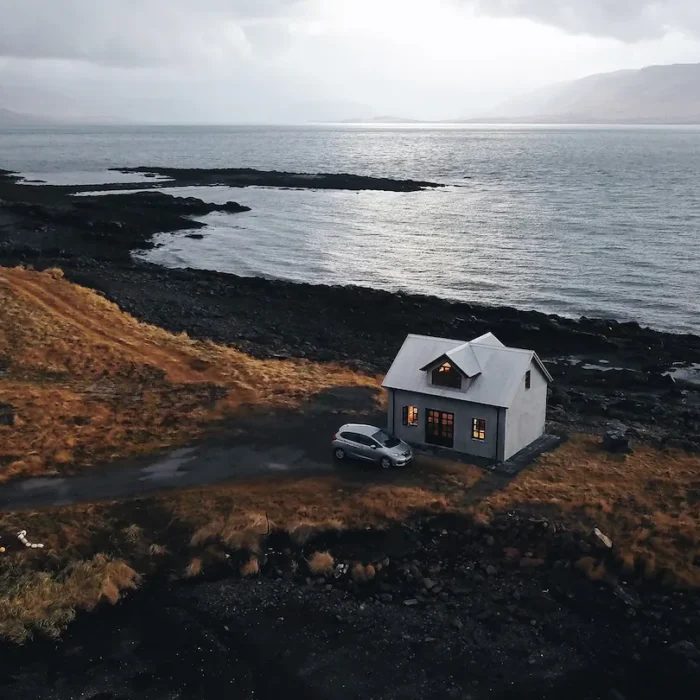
x=528, y=379
x=447, y=375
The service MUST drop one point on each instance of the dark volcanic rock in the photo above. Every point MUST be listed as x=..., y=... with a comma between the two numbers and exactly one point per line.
x=246, y=177
x=44, y=223
x=546, y=634
x=617, y=441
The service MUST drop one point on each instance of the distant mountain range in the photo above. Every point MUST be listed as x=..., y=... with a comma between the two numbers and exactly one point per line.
x=383, y=120
x=653, y=95
x=9, y=118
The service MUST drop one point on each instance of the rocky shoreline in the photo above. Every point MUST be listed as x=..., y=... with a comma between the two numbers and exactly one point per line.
x=605, y=371
x=500, y=629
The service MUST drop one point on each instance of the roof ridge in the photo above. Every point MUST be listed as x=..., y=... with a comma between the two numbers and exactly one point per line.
x=434, y=337
x=507, y=348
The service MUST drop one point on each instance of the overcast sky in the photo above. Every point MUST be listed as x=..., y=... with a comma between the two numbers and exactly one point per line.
x=225, y=61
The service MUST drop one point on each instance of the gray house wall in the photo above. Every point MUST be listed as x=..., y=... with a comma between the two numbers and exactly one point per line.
x=525, y=419
x=464, y=412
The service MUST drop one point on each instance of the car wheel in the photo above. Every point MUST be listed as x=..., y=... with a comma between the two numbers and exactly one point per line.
x=339, y=453
x=385, y=463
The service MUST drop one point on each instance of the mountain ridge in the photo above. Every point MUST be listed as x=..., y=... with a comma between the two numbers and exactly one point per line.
x=658, y=94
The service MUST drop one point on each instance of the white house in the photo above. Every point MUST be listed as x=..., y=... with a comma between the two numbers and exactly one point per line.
x=480, y=398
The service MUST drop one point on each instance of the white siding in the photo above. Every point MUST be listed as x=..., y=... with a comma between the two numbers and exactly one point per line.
x=525, y=419
x=464, y=412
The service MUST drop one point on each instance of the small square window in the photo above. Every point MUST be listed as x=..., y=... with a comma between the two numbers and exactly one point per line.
x=478, y=429
x=410, y=415
x=528, y=379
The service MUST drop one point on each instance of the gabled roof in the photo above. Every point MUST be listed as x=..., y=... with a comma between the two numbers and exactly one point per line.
x=495, y=371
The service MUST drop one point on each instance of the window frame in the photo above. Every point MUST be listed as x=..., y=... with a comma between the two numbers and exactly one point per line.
x=410, y=416
x=446, y=369
x=443, y=429
x=528, y=379
x=479, y=429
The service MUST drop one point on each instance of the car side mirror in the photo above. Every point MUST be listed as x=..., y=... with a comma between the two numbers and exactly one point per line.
x=374, y=447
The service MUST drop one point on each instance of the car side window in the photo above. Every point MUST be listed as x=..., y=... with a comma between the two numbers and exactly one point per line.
x=365, y=440
x=349, y=436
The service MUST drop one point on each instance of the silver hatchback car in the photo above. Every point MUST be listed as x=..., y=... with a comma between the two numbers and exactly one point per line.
x=371, y=444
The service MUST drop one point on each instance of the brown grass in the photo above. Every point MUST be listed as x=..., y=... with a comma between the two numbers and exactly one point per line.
x=649, y=492
x=232, y=517
x=250, y=568
x=45, y=603
x=361, y=573
x=239, y=515
x=91, y=384
x=648, y=503
x=194, y=568
x=321, y=563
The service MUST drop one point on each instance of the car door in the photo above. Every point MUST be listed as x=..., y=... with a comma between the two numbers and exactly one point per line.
x=353, y=448
x=367, y=448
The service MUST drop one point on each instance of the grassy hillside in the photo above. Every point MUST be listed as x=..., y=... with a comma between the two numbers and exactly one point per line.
x=91, y=384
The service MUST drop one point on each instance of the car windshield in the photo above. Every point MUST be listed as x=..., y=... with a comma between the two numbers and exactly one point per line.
x=384, y=438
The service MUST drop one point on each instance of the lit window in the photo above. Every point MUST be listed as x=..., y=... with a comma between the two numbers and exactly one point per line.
x=410, y=415
x=446, y=375
x=478, y=429
x=528, y=379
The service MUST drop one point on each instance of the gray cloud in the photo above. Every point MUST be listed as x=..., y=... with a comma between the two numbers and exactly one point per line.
x=291, y=60
x=628, y=20
x=131, y=32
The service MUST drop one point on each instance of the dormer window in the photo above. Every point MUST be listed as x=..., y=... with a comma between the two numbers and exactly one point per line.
x=446, y=375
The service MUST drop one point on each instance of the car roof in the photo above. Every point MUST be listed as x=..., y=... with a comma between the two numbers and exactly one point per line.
x=361, y=428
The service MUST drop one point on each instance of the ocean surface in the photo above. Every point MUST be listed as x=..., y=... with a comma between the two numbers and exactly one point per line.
x=595, y=221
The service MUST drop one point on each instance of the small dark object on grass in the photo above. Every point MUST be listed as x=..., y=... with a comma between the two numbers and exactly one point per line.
x=7, y=414
x=617, y=441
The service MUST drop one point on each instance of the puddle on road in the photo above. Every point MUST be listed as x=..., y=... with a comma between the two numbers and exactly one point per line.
x=169, y=467
x=48, y=483
x=277, y=467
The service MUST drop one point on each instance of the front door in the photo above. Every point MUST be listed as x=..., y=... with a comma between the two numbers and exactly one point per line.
x=440, y=428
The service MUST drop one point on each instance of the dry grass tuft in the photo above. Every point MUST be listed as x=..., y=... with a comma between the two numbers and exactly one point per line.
x=361, y=573
x=91, y=384
x=237, y=530
x=321, y=563
x=648, y=503
x=194, y=568
x=239, y=515
x=133, y=534
x=250, y=568
x=39, y=602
